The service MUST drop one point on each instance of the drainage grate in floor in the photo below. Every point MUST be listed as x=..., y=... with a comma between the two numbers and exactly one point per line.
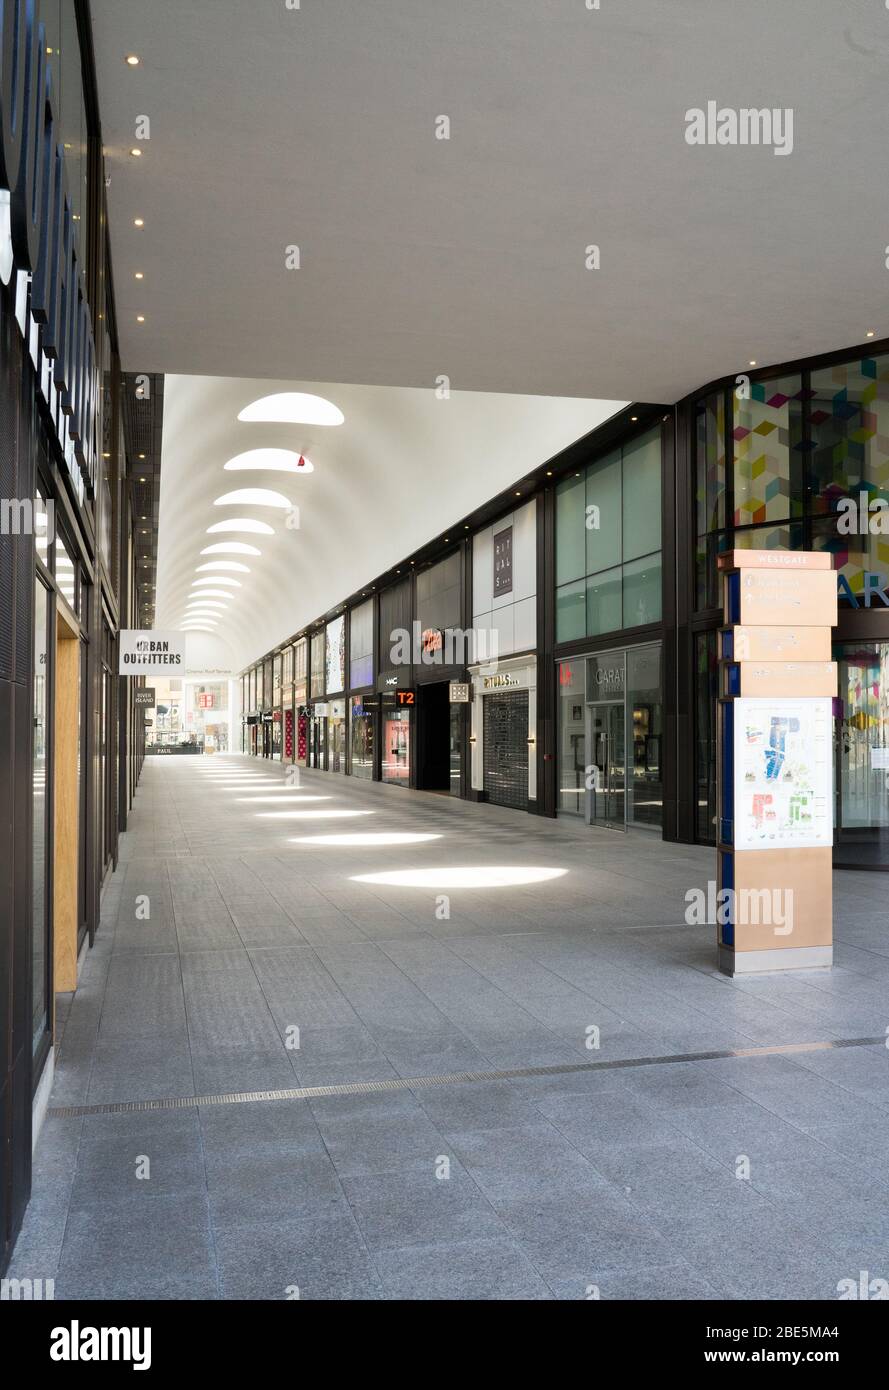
x=360, y=1088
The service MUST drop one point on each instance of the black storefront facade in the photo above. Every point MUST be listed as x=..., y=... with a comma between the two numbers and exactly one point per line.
x=591, y=588
x=75, y=563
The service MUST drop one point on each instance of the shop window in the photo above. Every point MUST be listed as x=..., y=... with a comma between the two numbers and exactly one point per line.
x=319, y=653
x=706, y=693
x=300, y=659
x=603, y=508
x=66, y=574
x=767, y=452
x=861, y=748
x=572, y=736
x=335, y=655
x=608, y=534
x=603, y=602
x=571, y=611
x=710, y=493
x=570, y=532
x=861, y=562
x=361, y=645
x=361, y=738
x=642, y=591
x=641, y=502
x=645, y=786
x=849, y=421
x=770, y=538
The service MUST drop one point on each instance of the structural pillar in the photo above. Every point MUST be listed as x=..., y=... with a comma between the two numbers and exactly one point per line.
x=775, y=784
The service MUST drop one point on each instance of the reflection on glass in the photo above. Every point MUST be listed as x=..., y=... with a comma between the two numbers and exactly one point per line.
x=645, y=788
x=361, y=732
x=572, y=745
x=396, y=745
x=862, y=754
x=65, y=574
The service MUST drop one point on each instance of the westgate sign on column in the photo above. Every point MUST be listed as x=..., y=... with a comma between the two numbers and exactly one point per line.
x=38, y=238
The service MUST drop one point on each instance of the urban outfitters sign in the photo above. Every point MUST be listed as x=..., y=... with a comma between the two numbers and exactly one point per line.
x=151, y=653
x=38, y=239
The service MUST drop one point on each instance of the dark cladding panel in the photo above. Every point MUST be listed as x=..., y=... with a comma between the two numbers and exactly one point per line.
x=395, y=616
x=439, y=594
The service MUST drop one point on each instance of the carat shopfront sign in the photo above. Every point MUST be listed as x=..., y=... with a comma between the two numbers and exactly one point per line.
x=152, y=653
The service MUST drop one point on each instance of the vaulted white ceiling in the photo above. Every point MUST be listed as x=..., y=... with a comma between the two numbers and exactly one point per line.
x=315, y=127
x=404, y=464
x=274, y=127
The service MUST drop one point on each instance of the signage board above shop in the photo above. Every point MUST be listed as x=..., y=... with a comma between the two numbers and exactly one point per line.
x=503, y=562
x=606, y=677
x=150, y=653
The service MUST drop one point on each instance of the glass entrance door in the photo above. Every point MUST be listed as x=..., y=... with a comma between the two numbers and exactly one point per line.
x=862, y=756
x=606, y=771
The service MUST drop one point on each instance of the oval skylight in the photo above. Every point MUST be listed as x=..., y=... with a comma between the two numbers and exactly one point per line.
x=231, y=548
x=253, y=497
x=293, y=408
x=274, y=460
x=199, y=611
x=241, y=523
x=195, y=628
x=211, y=593
x=206, y=604
x=206, y=624
x=218, y=579
x=234, y=565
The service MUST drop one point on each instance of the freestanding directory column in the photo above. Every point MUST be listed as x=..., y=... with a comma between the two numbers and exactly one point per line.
x=775, y=795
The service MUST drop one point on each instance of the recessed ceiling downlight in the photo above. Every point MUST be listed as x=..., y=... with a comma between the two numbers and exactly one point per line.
x=253, y=497
x=241, y=523
x=217, y=579
x=230, y=548
x=274, y=460
x=234, y=565
x=293, y=408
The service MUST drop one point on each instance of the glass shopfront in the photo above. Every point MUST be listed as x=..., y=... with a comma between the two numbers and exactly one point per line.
x=336, y=736
x=317, y=737
x=861, y=743
x=611, y=738
x=361, y=736
x=608, y=542
x=801, y=462
x=396, y=742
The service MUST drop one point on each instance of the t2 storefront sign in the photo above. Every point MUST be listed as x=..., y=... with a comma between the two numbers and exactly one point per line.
x=38, y=240
x=151, y=653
